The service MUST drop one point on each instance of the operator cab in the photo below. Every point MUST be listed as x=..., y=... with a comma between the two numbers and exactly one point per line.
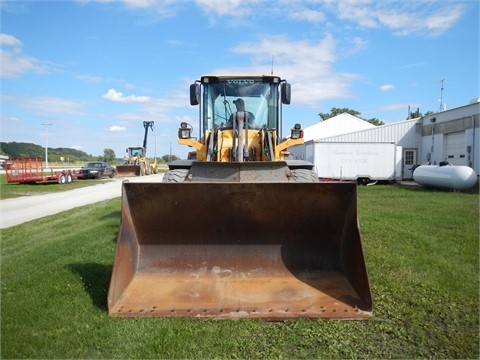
x=222, y=96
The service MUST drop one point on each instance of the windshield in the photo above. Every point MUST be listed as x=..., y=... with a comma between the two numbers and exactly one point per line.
x=221, y=100
x=93, y=165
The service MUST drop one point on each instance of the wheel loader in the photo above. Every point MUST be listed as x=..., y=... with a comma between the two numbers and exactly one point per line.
x=240, y=229
x=136, y=162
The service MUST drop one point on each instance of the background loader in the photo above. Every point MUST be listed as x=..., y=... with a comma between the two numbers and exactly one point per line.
x=136, y=162
x=239, y=230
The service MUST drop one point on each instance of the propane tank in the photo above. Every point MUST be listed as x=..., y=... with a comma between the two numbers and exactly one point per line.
x=446, y=176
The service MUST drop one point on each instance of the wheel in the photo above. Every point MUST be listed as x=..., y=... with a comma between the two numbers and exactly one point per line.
x=175, y=176
x=69, y=178
x=304, y=175
x=363, y=181
x=112, y=174
x=62, y=179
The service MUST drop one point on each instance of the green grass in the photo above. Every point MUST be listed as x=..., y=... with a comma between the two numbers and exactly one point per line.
x=14, y=190
x=421, y=249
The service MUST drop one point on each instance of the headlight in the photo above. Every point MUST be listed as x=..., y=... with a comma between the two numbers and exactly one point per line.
x=297, y=132
x=185, y=131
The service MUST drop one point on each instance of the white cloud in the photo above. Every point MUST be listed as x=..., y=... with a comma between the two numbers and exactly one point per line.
x=90, y=78
x=53, y=105
x=116, y=128
x=403, y=17
x=114, y=95
x=8, y=118
x=394, y=107
x=309, y=66
x=443, y=20
x=308, y=15
x=237, y=8
x=386, y=87
x=9, y=40
x=14, y=64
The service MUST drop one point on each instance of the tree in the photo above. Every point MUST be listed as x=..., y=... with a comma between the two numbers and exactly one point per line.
x=375, y=121
x=337, y=111
x=415, y=114
x=109, y=155
x=168, y=158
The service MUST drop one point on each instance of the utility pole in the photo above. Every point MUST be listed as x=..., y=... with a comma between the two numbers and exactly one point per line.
x=155, y=148
x=46, y=143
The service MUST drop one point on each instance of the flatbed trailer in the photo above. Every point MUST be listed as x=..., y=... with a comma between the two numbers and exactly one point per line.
x=30, y=170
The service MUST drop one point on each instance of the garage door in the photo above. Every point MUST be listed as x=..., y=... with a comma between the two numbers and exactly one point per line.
x=455, y=148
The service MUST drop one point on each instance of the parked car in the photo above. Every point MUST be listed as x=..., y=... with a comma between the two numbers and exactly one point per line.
x=97, y=169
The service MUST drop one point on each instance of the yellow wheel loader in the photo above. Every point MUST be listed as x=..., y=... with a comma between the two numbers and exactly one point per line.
x=136, y=162
x=240, y=230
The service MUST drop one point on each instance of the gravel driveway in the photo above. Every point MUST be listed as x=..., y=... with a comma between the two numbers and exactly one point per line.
x=26, y=208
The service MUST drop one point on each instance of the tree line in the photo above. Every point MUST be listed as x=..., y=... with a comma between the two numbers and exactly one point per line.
x=62, y=155
x=30, y=150
x=337, y=111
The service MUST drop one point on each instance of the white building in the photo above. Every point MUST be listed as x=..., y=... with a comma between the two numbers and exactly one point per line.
x=340, y=124
x=451, y=135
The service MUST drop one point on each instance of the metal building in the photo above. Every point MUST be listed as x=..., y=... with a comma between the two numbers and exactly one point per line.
x=453, y=136
x=340, y=124
x=450, y=135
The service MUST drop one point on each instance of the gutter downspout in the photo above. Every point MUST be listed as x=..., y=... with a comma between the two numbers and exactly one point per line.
x=473, y=142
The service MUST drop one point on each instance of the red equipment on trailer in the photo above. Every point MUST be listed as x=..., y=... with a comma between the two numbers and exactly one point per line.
x=30, y=170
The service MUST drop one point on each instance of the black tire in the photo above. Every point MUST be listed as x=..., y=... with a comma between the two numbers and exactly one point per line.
x=62, y=179
x=175, y=176
x=69, y=178
x=363, y=181
x=304, y=175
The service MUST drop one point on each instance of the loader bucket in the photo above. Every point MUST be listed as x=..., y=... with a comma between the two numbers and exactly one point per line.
x=274, y=251
x=128, y=170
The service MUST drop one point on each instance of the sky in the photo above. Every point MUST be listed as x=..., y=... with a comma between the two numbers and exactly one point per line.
x=85, y=74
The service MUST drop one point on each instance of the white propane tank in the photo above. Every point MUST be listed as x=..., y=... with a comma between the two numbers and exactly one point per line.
x=447, y=176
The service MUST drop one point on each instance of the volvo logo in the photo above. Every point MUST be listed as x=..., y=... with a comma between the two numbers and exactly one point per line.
x=241, y=81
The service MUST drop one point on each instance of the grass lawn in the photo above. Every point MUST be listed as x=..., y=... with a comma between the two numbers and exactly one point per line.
x=422, y=255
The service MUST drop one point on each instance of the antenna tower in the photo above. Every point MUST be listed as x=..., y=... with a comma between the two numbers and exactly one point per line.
x=441, y=107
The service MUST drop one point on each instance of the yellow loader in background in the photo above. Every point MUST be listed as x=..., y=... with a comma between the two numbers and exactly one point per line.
x=136, y=162
x=240, y=230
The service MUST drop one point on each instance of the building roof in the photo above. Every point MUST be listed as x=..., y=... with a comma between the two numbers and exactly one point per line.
x=337, y=125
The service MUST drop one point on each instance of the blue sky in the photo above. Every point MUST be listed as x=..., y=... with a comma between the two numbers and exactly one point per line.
x=95, y=70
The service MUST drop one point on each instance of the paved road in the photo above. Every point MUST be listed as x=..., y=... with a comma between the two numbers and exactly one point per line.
x=26, y=208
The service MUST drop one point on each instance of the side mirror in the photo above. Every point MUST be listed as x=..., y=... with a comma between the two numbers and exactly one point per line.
x=194, y=94
x=286, y=93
